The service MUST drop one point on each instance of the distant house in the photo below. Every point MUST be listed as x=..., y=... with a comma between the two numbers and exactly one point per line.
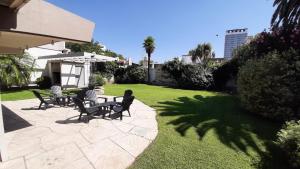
x=63, y=67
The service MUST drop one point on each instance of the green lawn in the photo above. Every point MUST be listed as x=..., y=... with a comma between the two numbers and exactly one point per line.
x=25, y=94
x=197, y=129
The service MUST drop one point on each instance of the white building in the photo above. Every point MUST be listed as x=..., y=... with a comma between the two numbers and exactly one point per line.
x=64, y=68
x=233, y=39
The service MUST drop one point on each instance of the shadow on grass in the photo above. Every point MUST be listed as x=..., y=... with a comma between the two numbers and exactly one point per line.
x=234, y=127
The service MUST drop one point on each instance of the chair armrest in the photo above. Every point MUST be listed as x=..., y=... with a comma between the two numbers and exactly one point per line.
x=115, y=98
x=105, y=99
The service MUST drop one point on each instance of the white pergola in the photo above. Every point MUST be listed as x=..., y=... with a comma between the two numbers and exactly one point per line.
x=30, y=23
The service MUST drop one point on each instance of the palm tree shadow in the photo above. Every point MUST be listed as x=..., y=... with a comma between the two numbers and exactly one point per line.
x=234, y=127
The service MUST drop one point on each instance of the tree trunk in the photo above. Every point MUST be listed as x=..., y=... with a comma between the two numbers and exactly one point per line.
x=149, y=56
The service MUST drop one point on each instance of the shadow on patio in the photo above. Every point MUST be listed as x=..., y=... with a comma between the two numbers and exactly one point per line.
x=12, y=121
x=234, y=127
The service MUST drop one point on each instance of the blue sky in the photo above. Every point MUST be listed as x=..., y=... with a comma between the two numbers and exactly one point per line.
x=176, y=25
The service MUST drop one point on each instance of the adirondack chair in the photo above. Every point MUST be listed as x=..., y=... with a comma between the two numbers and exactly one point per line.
x=57, y=95
x=124, y=106
x=126, y=93
x=89, y=111
x=92, y=98
x=45, y=101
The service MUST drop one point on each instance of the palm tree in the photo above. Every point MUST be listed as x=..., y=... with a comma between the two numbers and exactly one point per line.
x=149, y=46
x=201, y=53
x=287, y=13
x=15, y=70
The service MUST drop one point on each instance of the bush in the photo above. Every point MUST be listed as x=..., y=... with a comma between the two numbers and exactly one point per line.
x=189, y=76
x=44, y=82
x=131, y=74
x=107, y=69
x=96, y=80
x=195, y=77
x=289, y=142
x=280, y=40
x=270, y=86
x=224, y=73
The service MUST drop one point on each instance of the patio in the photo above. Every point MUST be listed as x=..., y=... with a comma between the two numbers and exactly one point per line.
x=54, y=138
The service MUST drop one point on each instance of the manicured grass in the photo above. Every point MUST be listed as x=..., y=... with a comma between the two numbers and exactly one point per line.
x=197, y=129
x=16, y=95
x=23, y=94
x=200, y=129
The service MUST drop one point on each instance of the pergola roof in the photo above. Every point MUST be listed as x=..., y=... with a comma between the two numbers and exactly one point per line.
x=79, y=57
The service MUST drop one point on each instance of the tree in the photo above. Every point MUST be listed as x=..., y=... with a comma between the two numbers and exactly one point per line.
x=15, y=70
x=149, y=46
x=93, y=46
x=201, y=53
x=287, y=13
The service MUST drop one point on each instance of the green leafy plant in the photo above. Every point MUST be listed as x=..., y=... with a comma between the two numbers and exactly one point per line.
x=15, y=70
x=96, y=80
x=289, y=141
x=44, y=82
x=189, y=76
x=107, y=69
x=270, y=86
x=131, y=74
x=224, y=73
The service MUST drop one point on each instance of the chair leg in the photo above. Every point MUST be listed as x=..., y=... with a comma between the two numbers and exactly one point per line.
x=80, y=116
x=46, y=105
x=121, y=117
x=40, y=105
x=129, y=113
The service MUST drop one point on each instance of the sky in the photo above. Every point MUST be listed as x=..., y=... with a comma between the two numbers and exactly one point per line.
x=176, y=25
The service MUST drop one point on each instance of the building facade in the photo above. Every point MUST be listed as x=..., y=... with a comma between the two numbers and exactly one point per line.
x=233, y=39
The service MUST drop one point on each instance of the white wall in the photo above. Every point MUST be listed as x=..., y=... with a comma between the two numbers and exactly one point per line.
x=68, y=74
x=45, y=50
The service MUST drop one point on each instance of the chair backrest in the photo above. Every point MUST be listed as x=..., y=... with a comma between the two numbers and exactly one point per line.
x=127, y=101
x=91, y=95
x=81, y=94
x=38, y=95
x=78, y=102
x=56, y=91
x=128, y=93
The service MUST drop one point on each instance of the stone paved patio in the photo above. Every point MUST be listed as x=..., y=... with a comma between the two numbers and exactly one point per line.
x=54, y=139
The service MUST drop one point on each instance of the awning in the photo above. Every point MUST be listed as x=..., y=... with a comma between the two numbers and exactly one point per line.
x=30, y=23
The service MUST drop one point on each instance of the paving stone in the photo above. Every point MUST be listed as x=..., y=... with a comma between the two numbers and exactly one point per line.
x=57, y=140
x=107, y=155
x=13, y=164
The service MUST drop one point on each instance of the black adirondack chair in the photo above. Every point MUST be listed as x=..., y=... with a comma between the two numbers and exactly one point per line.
x=124, y=106
x=92, y=98
x=126, y=93
x=57, y=95
x=89, y=111
x=45, y=101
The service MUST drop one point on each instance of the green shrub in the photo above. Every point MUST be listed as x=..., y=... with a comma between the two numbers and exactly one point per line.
x=271, y=86
x=96, y=80
x=289, y=142
x=107, y=69
x=189, y=76
x=131, y=74
x=195, y=77
x=224, y=73
x=44, y=82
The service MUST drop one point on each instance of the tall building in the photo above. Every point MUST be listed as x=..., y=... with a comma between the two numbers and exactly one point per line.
x=233, y=39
